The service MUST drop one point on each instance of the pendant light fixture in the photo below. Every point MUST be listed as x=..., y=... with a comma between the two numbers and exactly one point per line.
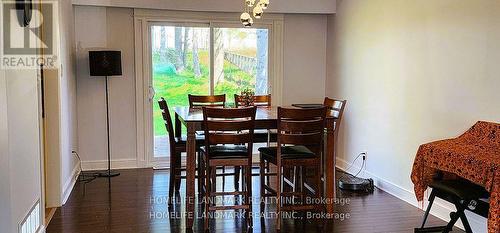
x=263, y=4
x=250, y=3
x=246, y=19
x=252, y=8
x=257, y=12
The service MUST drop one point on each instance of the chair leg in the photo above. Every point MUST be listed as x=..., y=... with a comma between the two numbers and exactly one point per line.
x=237, y=178
x=262, y=183
x=428, y=210
x=465, y=222
x=248, y=194
x=293, y=178
x=223, y=179
x=213, y=178
x=454, y=218
x=178, y=172
x=207, y=196
x=173, y=172
x=302, y=181
x=268, y=138
x=319, y=192
x=278, y=195
x=268, y=170
x=200, y=176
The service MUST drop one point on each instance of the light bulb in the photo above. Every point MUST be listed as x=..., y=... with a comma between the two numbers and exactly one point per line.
x=263, y=4
x=249, y=23
x=246, y=19
x=250, y=3
x=257, y=12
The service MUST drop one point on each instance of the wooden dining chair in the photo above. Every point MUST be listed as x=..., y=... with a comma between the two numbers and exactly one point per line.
x=199, y=101
x=300, y=142
x=260, y=136
x=177, y=146
x=229, y=142
x=335, y=108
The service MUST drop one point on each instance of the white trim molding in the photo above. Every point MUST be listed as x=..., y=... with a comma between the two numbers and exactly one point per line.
x=96, y=165
x=440, y=209
x=277, y=6
x=70, y=183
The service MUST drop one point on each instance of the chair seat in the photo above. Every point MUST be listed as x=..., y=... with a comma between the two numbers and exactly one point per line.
x=462, y=189
x=227, y=151
x=287, y=152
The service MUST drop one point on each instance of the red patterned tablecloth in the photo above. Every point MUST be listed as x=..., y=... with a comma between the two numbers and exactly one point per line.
x=475, y=156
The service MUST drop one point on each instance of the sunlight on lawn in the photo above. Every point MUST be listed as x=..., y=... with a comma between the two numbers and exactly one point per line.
x=175, y=87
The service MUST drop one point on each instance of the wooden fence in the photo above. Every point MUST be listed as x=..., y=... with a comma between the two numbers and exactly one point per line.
x=245, y=63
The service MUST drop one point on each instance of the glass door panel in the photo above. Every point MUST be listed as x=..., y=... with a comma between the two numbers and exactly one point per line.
x=240, y=61
x=180, y=66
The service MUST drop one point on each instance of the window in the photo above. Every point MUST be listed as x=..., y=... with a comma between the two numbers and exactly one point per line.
x=201, y=60
x=240, y=60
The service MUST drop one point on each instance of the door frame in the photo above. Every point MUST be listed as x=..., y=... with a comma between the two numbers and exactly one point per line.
x=143, y=19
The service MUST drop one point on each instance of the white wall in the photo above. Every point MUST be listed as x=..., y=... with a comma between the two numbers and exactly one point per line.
x=112, y=28
x=60, y=118
x=24, y=147
x=101, y=27
x=20, y=159
x=304, y=64
x=276, y=6
x=412, y=72
x=5, y=200
x=20, y=180
x=69, y=138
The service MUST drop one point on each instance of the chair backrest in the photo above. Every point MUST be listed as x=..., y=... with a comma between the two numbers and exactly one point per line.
x=304, y=127
x=335, y=108
x=229, y=126
x=199, y=101
x=167, y=119
x=259, y=100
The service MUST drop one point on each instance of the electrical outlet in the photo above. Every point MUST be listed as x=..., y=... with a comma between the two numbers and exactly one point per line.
x=364, y=154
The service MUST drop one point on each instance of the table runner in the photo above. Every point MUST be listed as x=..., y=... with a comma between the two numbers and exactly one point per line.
x=475, y=156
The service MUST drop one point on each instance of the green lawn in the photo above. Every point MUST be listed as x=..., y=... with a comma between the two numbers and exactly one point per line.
x=175, y=87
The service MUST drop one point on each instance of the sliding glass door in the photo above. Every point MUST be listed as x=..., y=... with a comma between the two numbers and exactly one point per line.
x=203, y=59
x=240, y=61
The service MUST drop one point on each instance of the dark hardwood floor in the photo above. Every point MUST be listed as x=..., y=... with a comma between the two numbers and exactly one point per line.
x=135, y=201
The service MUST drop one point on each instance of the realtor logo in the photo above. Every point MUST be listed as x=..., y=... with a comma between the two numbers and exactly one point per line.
x=28, y=34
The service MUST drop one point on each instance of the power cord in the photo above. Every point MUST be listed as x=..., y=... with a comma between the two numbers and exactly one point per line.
x=353, y=182
x=353, y=162
x=84, y=177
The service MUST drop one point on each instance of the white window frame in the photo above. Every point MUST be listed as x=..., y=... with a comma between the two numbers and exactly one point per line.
x=144, y=19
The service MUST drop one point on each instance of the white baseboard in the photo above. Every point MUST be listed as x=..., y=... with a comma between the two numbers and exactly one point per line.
x=70, y=183
x=103, y=164
x=440, y=208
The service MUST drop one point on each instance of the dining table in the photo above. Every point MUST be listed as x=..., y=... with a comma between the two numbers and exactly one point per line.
x=266, y=118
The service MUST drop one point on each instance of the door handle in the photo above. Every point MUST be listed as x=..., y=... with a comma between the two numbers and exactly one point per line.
x=151, y=93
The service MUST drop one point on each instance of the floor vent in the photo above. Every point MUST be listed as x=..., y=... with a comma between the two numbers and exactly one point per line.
x=31, y=223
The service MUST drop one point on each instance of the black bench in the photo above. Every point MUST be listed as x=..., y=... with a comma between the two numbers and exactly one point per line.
x=465, y=195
